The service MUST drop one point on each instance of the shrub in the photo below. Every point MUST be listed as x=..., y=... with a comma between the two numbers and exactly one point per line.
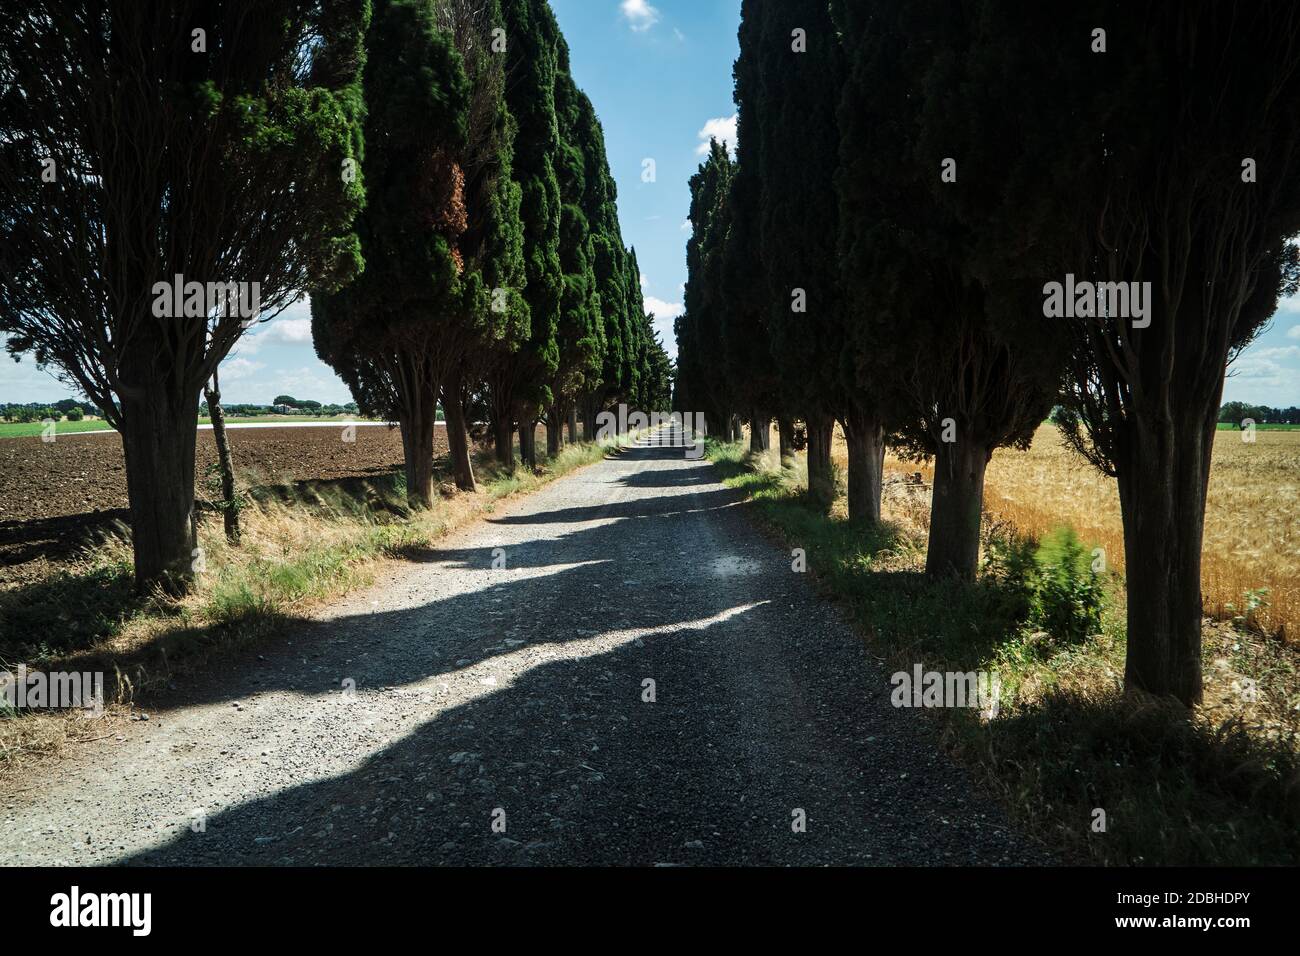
x=1068, y=595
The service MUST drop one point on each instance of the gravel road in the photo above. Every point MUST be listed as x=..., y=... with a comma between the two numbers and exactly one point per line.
x=488, y=705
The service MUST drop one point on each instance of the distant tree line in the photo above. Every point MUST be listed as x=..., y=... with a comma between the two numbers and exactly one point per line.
x=1238, y=412
x=283, y=405
x=917, y=182
x=69, y=408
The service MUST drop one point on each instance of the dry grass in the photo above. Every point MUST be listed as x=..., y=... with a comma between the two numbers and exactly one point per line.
x=1252, y=528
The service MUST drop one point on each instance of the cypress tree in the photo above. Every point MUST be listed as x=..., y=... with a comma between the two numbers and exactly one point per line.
x=801, y=71
x=396, y=333
x=581, y=326
x=142, y=141
x=518, y=380
x=495, y=314
x=955, y=374
x=1144, y=164
x=748, y=361
x=699, y=329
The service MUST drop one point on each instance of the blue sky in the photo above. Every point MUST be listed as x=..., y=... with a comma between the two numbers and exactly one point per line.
x=659, y=74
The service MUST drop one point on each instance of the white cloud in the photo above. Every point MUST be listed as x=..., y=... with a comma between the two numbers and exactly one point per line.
x=640, y=15
x=290, y=327
x=1293, y=332
x=723, y=129
x=664, y=326
x=234, y=369
x=662, y=309
x=686, y=225
x=1266, y=376
x=23, y=382
x=293, y=331
x=1276, y=352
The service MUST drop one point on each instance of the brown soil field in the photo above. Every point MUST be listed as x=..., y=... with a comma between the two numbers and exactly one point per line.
x=55, y=496
x=84, y=474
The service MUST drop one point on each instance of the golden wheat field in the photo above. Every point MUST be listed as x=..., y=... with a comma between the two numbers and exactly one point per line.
x=1252, y=532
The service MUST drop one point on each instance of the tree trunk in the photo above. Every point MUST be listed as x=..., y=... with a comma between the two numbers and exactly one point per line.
x=1162, y=489
x=505, y=444
x=225, y=463
x=715, y=426
x=591, y=409
x=760, y=434
x=821, y=478
x=503, y=433
x=462, y=466
x=158, y=436
x=727, y=428
x=785, y=436
x=528, y=442
x=573, y=424
x=554, y=430
x=955, y=509
x=417, y=426
x=866, y=439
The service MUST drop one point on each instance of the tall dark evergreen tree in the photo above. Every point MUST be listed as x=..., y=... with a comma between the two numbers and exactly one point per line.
x=397, y=332
x=792, y=87
x=747, y=361
x=495, y=315
x=613, y=267
x=702, y=387
x=633, y=330
x=518, y=379
x=581, y=329
x=955, y=374
x=144, y=141
x=1144, y=163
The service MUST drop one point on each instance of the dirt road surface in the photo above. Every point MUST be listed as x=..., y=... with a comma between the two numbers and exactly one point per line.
x=491, y=705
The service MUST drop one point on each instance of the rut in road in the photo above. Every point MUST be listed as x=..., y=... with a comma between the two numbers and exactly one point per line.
x=489, y=694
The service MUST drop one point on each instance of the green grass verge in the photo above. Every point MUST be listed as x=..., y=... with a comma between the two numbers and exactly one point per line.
x=1219, y=785
x=30, y=429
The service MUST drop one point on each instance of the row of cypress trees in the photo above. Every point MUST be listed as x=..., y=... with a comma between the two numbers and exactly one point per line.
x=496, y=282
x=910, y=178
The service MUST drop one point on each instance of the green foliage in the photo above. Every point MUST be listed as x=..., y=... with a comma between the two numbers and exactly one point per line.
x=1068, y=594
x=937, y=337
x=581, y=171
x=794, y=97
x=388, y=334
x=1048, y=587
x=1235, y=413
x=699, y=329
x=523, y=374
